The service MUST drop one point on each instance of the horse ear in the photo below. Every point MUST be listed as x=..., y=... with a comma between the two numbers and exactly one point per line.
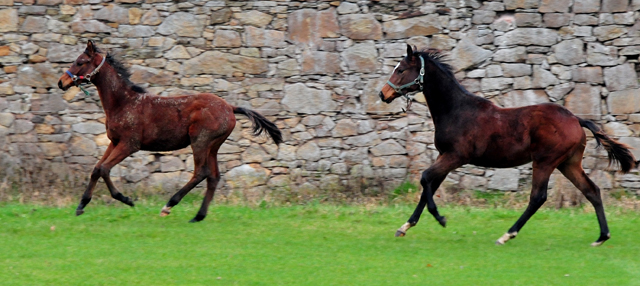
x=91, y=47
x=409, y=51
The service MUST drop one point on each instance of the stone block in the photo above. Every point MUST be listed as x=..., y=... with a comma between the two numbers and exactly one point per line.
x=548, y=6
x=362, y=57
x=528, y=36
x=586, y=6
x=388, y=147
x=38, y=75
x=227, y=39
x=605, y=33
x=504, y=180
x=512, y=55
x=254, y=18
x=528, y=20
x=621, y=77
x=516, y=70
x=467, y=55
x=307, y=27
x=614, y=6
x=314, y=62
x=360, y=27
x=624, y=101
x=308, y=151
x=257, y=37
x=518, y=98
x=9, y=20
x=34, y=25
x=584, y=101
x=417, y=26
x=298, y=98
x=113, y=13
x=215, y=62
x=182, y=24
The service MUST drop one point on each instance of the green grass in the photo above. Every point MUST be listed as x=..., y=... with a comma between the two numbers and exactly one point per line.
x=311, y=245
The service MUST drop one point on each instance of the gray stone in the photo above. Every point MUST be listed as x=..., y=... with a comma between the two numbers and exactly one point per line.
x=620, y=77
x=135, y=31
x=255, y=154
x=89, y=128
x=570, y=52
x=362, y=57
x=559, y=91
x=348, y=8
x=504, y=180
x=364, y=140
x=634, y=142
x=600, y=55
x=257, y=37
x=490, y=84
x=166, y=181
x=470, y=182
x=586, y=6
x=58, y=53
x=152, y=18
x=616, y=129
x=516, y=70
x=182, y=24
x=113, y=13
x=547, y=6
x=6, y=119
x=528, y=19
x=171, y=164
x=309, y=151
x=605, y=33
x=543, y=78
x=21, y=126
x=614, y=5
x=226, y=38
x=513, y=55
x=286, y=152
x=584, y=101
x=254, y=18
x=34, y=25
x=556, y=20
x=298, y=98
x=215, y=62
x=587, y=74
x=388, y=147
x=314, y=62
x=584, y=19
x=524, y=4
x=345, y=127
x=220, y=16
x=528, y=36
x=417, y=26
x=518, y=98
x=93, y=26
x=483, y=17
x=246, y=176
x=37, y=75
x=468, y=55
x=81, y=146
x=624, y=101
x=360, y=27
x=9, y=20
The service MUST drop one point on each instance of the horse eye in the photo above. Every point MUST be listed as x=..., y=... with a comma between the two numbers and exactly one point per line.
x=400, y=71
x=80, y=64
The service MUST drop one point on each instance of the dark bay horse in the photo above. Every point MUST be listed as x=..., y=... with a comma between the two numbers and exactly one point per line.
x=137, y=120
x=472, y=130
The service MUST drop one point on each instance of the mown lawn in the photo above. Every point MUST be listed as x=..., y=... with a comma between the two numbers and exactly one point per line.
x=311, y=245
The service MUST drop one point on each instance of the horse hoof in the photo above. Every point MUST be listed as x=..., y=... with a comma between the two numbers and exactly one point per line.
x=79, y=212
x=597, y=243
x=400, y=233
x=443, y=221
x=128, y=201
x=601, y=240
x=499, y=243
x=165, y=211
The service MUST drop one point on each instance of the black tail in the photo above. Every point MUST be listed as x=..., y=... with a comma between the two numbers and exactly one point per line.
x=618, y=152
x=260, y=124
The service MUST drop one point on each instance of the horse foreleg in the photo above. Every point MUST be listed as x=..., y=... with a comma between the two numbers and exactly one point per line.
x=95, y=175
x=118, y=154
x=430, y=181
x=538, y=197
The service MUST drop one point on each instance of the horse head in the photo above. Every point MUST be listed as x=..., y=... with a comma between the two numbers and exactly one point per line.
x=407, y=77
x=83, y=68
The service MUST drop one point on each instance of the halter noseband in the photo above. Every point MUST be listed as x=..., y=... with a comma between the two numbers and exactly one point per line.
x=77, y=80
x=419, y=80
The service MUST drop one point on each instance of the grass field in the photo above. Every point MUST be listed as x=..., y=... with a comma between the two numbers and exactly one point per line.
x=311, y=245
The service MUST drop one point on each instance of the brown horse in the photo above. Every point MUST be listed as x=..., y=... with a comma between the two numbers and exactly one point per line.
x=137, y=120
x=472, y=130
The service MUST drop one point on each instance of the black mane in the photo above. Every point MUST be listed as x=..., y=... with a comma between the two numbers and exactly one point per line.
x=122, y=71
x=438, y=58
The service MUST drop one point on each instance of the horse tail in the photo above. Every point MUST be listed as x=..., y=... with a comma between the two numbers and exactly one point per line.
x=618, y=152
x=260, y=124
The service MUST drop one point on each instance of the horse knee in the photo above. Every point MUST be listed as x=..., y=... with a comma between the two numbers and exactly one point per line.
x=100, y=171
x=539, y=199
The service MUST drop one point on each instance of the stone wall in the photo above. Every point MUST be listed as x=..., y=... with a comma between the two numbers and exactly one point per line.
x=315, y=68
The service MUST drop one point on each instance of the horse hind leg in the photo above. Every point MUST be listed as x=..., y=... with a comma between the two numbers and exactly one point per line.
x=200, y=172
x=537, y=198
x=574, y=172
x=212, y=182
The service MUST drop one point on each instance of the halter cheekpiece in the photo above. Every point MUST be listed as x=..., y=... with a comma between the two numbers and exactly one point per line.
x=77, y=80
x=418, y=80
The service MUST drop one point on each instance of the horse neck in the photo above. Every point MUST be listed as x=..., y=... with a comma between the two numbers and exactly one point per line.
x=113, y=91
x=444, y=95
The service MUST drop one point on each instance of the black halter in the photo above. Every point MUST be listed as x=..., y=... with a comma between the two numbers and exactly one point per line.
x=78, y=80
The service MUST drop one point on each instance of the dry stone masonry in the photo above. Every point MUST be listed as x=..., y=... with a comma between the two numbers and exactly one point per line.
x=315, y=68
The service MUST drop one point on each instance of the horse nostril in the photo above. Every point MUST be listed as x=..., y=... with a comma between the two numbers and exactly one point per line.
x=381, y=95
x=60, y=84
